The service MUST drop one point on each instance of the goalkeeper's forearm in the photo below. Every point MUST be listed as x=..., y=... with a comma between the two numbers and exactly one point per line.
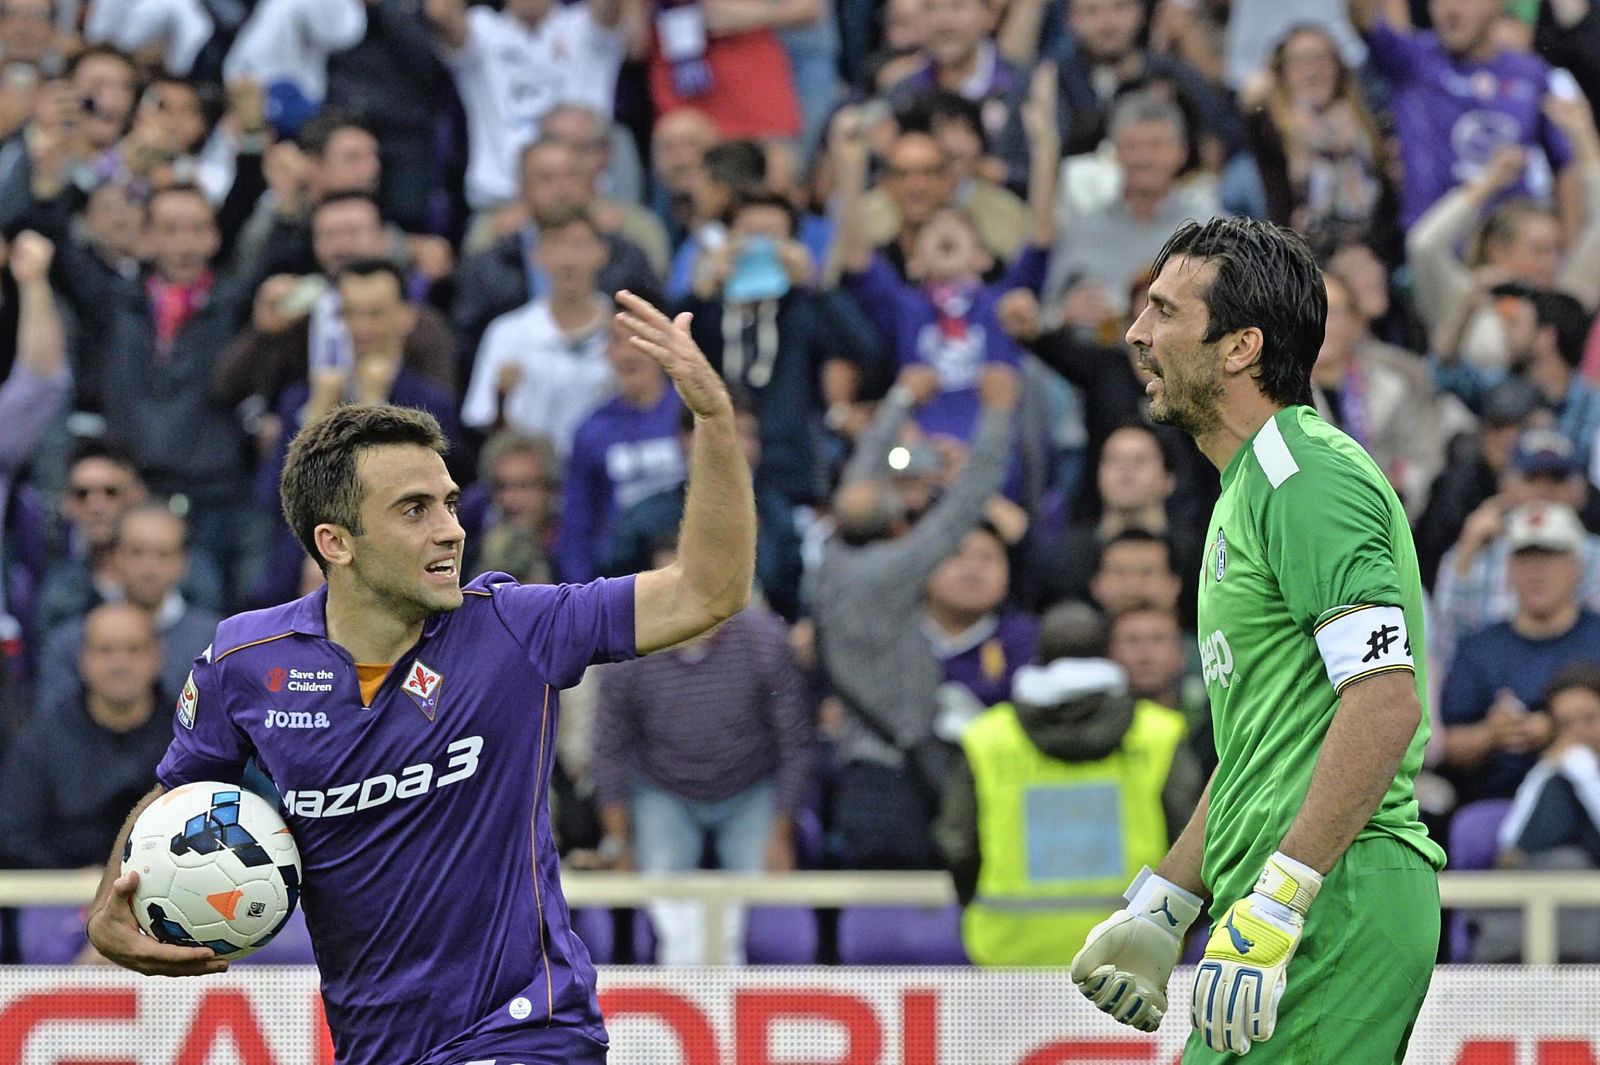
x=1182, y=863
x=1374, y=724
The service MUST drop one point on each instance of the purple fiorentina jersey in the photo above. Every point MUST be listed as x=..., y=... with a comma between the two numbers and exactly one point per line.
x=431, y=883
x=1452, y=114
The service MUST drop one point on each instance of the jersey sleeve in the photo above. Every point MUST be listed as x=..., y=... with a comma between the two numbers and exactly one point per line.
x=206, y=743
x=1327, y=533
x=1393, y=53
x=566, y=628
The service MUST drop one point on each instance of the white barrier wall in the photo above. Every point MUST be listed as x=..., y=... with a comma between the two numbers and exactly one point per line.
x=801, y=1016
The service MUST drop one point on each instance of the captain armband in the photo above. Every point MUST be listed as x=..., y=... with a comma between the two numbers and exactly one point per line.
x=1357, y=642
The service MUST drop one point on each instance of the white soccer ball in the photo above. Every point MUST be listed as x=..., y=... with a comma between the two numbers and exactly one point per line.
x=217, y=868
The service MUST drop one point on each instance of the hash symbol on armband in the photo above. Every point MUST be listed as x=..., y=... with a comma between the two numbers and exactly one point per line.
x=1380, y=641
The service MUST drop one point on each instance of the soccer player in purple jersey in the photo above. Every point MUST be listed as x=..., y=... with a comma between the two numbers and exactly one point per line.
x=410, y=722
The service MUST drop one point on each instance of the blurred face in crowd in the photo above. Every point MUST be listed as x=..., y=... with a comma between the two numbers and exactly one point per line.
x=350, y=162
x=917, y=178
x=1576, y=714
x=113, y=220
x=679, y=146
x=1132, y=474
x=121, y=655
x=1106, y=30
x=344, y=231
x=551, y=179
x=1134, y=572
x=1366, y=278
x=106, y=83
x=579, y=129
x=955, y=29
x=98, y=492
x=1147, y=643
x=1152, y=155
x=1532, y=251
x=572, y=257
x=761, y=220
x=528, y=12
x=905, y=25
x=173, y=113
x=637, y=375
x=27, y=29
x=1169, y=337
x=961, y=147
x=1518, y=488
x=1544, y=582
x=149, y=556
x=1338, y=341
x=376, y=313
x=181, y=235
x=948, y=249
x=1464, y=26
x=522, y=489
x=1309, y=67
x=972, y=582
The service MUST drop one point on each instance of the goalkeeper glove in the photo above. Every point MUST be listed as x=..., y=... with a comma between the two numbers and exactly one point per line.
x=1125, y=962
x=1241, y=978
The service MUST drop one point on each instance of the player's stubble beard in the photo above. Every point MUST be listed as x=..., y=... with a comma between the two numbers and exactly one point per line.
x=1191, y=393
x=409, y=600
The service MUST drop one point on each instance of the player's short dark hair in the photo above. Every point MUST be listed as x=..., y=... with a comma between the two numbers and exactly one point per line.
x=1136, y=535
x=1267, y=279
x=320, y=483
x=318, y=133
x=372, y=268
x=1582, y=673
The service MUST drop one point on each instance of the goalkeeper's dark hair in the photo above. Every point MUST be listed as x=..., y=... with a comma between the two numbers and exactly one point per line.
x=1266, y=279
x=321, y=484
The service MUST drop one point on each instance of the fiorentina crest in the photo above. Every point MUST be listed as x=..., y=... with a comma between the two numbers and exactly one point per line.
x=423, y=684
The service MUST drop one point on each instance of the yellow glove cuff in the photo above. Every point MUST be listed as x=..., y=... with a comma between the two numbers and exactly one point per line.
x=1292, y=883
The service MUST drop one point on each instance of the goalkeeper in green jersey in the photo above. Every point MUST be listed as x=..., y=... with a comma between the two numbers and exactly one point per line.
x=1324, y=885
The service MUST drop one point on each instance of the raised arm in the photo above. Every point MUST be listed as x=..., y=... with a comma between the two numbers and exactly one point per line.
x=711, y=579
x=1442, y=279
x=847, y=148
x=1044, y=155
x=1579, y=276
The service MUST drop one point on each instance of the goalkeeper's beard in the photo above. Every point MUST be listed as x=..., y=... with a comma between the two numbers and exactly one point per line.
x=1191, y=402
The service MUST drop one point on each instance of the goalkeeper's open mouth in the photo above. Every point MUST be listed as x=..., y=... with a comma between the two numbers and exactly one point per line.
x=1150, y=366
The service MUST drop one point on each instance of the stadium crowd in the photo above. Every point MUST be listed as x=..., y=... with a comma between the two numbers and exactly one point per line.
x=911, y=234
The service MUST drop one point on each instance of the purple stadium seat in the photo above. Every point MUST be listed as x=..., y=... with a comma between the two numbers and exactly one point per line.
x=1474, y=844
x=292, y=946
x=901, y=935
x=808, y=836
x=781, y=935
x=598, y=932
x=644, y=938
x=50, y=935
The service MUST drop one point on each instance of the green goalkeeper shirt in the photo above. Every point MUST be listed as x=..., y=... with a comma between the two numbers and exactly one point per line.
x=1310, y=583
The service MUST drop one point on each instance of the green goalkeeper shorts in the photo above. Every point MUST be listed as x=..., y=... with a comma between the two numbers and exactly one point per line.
x=1358, y=980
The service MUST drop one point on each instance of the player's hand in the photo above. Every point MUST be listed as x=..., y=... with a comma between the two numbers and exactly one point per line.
x=1125, y=963
x=668, y=342
x=116, y=934
x=1245, y=969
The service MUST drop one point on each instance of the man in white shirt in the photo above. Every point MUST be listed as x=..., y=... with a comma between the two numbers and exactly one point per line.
x=542, y=368
x=511, y=67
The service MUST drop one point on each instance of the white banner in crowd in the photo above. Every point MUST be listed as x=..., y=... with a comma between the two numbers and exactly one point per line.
x=799, y=1016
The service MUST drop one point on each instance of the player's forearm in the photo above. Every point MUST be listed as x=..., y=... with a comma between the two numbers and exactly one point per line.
x=717, y=547
x=114, y=864
x=1374, y=724
x=1182, y=863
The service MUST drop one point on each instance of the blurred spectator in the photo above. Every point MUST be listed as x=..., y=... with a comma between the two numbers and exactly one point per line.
x=517, y=535
x=1135, y=569
x=341, y=157
x=734, y=771
x=905, y=34
x=724, y=57
x=588, y=133
x=1458, y=97
x=678, y=148
x=162, y=34
x=727, y=171
x=394, y=84
x=1475, y=587
x=941, y=157
x=1380, y=395
x=793, y=352
x=625, y=452
x=508, y=274
x=866, y=596
x=1147, y=642
x=1520, y=241
x=1475, y=463
x=73, y=774
x=284, y=46
x=1567, y=34
x=960, y=56
x=1135, y=482
x=1104, y=243
x=1320, y=152
x=148, y=561
x=511, y=67
x=1545, y=335
x=945, y=318
x=1256, y=28
x=28, y=33
x=542, y=368
x=1491, y=736
x=980, y=644
x=1074, y=784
